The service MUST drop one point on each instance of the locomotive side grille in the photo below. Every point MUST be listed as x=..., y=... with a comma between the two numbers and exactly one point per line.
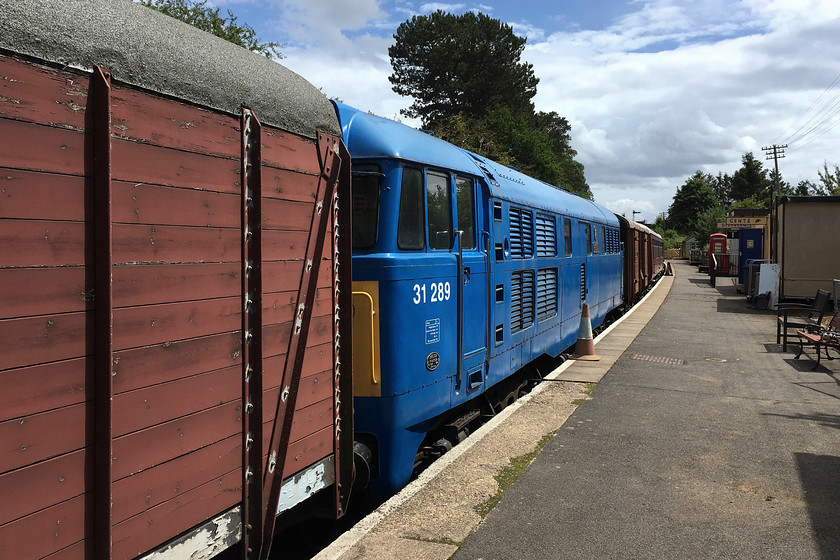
x=546, y=236
x=521, y=235
x=583, y=282
x=521, y=300
x=546, y=293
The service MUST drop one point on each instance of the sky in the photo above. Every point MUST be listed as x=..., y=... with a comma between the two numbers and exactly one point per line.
x=654, y=89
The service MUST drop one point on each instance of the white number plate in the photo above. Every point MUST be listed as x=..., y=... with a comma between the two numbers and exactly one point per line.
x=433, y=293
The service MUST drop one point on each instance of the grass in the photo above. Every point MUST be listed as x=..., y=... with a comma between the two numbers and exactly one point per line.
x=435, y=541
x=509, y=474
x=589, y=388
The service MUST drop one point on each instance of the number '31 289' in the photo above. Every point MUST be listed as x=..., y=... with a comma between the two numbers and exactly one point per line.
x=436, y=291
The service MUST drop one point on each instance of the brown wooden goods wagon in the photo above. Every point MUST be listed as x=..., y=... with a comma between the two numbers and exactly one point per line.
x=173, y=306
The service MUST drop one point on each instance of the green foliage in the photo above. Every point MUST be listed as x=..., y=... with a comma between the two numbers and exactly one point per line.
x=670, y=238
x=473, y=135
x=695, y=197
x=752, y=202
x=808, y=188
x=751, y=180
x=198, y=14
x=830, y=180
x=707, y=221
x=460, y=64
x=751, y=186
x=521, y=142
x=509, y=474
x=723, y=188
x=470, y=89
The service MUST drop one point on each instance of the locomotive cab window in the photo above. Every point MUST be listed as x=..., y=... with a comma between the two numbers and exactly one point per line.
x=411, y=233
x=464, y=199
x=366, y=182
x=439, y=203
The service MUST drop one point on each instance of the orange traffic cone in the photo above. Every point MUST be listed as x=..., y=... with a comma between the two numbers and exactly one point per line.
x=585, y=347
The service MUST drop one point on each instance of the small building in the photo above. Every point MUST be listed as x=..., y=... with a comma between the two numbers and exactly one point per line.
x=806, y=243
x=688, y=244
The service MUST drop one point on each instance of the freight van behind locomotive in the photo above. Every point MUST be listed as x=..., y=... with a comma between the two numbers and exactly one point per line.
x=172, y=297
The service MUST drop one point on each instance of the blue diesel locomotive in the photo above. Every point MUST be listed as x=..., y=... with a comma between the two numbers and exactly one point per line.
x=464, y=272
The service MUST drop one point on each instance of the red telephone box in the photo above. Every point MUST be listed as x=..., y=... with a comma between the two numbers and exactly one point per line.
x=718, y=254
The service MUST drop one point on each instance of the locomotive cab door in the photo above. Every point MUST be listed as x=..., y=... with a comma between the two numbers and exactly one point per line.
x=470, y=248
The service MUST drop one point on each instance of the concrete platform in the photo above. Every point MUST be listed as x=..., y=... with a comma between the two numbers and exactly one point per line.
x=701, y=440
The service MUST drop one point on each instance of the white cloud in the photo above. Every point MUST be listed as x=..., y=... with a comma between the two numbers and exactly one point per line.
x=642, y=122
x=435, y=6
x=671, y=88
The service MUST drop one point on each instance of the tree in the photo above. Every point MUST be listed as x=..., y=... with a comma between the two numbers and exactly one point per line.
x=460, y=64
x=516, y=140
x=723, y=188
x=706, y=222
x=198, y=14
x=808, y=188
x=830, y=180
x=670, y=238
x=691, y=200
x=751, y=180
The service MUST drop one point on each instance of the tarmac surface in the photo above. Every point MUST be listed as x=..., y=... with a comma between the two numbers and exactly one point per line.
x=702, y=439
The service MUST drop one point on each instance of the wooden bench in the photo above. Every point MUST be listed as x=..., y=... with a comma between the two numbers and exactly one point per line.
x=827, y=338
x=790, y=317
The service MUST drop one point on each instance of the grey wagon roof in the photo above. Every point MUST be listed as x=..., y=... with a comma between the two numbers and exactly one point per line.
x=145, y=48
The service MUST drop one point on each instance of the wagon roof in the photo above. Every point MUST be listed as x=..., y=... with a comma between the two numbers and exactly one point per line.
x=153, y=51
x=369, y=136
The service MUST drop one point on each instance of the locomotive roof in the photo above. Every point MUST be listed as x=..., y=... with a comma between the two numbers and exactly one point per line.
x=638, y=225
x=369, y=136
x=148, y=49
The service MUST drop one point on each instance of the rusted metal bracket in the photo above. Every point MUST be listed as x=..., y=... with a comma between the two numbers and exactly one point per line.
x=103, y=312
x=253, y=512
x=321, y=216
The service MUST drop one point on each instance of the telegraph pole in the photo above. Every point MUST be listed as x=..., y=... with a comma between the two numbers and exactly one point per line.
x=777, y=152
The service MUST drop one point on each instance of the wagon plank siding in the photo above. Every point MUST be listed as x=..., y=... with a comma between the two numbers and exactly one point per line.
x=43, y=148
x=47, y=530
x=38, y=291
x=43, y=484
x=130, y=162
x=39, y=94
x=34, y=389
x=45, y=339
x=176, y=218
x=40, y=436
x=163, y=122
x=38, y=196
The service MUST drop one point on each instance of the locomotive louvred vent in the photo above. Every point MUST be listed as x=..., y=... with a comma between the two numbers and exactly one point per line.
x=546, y=293
x=583, y=282
x=546, y=236
x=521, y=300
x=521, y=234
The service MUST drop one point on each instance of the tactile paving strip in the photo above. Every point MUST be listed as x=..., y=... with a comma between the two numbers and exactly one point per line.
x=658, y=359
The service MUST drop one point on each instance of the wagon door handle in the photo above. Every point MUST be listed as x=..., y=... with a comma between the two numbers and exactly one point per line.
x=466, y=275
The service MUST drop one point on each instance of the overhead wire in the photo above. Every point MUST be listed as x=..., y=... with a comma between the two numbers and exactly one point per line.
x=802, y=114
x=818, y=123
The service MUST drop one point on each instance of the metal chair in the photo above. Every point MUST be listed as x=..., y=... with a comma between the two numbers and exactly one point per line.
x=814, y=317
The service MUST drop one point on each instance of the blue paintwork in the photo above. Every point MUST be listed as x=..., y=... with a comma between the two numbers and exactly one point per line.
x=412, y=396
